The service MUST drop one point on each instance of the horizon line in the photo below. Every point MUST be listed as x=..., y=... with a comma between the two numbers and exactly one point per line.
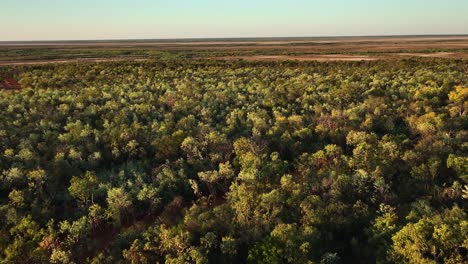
x=240, y=38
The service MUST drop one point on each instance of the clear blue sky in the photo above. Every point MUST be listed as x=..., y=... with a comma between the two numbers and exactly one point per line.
x=133, y=19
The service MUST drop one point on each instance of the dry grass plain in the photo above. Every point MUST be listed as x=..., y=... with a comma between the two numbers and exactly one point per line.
x=268, y=49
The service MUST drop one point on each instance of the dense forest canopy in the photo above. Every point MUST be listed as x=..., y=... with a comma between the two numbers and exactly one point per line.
x=235, y=162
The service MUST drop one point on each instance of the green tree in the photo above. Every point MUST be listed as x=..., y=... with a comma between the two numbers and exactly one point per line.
x=433, y=238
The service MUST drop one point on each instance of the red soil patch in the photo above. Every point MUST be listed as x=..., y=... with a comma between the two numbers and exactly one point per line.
x=10, y=84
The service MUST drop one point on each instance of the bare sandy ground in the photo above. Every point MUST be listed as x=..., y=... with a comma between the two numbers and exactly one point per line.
x=42, y=62
x=449, y=55
x=322, y=58
x=339, y=57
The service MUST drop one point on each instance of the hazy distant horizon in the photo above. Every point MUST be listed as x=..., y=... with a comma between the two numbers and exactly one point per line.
x=242, y=38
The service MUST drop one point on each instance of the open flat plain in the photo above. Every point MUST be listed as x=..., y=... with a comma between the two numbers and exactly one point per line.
x=259, y=49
